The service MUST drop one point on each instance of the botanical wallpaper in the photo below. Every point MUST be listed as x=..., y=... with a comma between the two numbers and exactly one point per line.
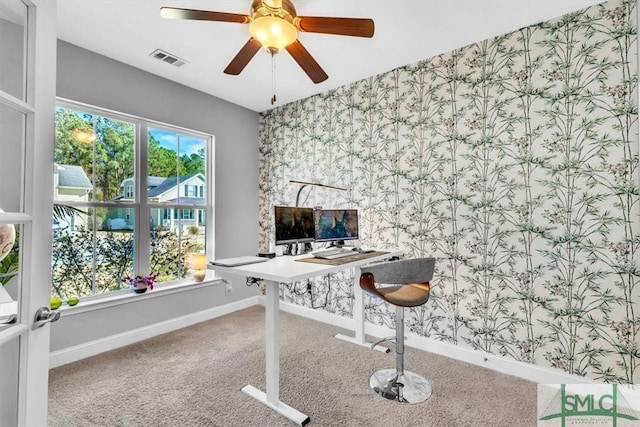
x=514, y=162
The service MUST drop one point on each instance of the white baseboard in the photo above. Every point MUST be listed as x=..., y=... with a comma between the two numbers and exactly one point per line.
x=91, y=348
x=538, y=374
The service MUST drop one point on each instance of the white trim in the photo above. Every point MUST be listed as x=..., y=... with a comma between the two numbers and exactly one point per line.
x=515, y=368
x=15, y=103
x=126, y=296
x=91, y=348
x=527, y=371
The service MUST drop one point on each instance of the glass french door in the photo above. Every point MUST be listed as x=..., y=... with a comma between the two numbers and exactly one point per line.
x=27, y=101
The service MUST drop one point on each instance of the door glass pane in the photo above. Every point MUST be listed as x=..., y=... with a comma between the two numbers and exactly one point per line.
x=9, y=273
x=12, y=131
x=13, y=19
x=9, y=369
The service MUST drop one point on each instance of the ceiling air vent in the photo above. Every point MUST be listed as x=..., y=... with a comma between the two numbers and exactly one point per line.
x=161, y=55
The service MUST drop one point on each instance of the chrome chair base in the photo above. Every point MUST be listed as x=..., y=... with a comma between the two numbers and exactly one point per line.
x=407, y=388
x=390, y=340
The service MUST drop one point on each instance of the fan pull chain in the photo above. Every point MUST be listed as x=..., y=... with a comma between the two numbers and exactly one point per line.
x=273, y=78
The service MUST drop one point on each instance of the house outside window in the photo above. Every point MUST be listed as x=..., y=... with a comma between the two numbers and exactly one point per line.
x=103, y=229
x=190, y=190
x=128, y=190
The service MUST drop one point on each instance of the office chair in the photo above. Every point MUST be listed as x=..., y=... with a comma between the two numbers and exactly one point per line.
x=410, y=278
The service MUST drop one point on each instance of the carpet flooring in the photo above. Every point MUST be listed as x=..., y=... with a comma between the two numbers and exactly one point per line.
x=193, y=377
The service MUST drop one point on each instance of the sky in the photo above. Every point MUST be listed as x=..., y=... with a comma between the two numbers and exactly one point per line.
x=188, y=144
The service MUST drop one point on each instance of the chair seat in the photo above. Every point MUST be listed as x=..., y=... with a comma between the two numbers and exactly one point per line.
x=409, y=295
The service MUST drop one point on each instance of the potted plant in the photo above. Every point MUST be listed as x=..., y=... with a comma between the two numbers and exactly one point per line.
x=139, y=284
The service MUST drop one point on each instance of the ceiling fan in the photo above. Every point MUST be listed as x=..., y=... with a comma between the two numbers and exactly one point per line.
x=274, y=25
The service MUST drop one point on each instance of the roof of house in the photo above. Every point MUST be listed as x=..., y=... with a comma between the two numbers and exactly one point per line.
x=169, y=183
x=154, y=181
x=158, y=185
x=73, y=176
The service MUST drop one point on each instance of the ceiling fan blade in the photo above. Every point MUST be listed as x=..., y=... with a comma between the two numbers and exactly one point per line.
x=203, y=15
x=358, y=27
x=243, y=57
x=306, y=62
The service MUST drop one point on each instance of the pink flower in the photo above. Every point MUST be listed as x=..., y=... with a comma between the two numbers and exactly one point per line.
x=142, y=281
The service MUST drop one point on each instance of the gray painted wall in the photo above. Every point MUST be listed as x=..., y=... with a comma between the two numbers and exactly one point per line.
x=93, y=79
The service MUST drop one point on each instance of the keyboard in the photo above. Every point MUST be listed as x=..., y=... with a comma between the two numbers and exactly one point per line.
x=333, y=253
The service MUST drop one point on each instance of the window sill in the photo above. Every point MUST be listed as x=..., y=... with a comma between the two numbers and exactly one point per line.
x=126, y=296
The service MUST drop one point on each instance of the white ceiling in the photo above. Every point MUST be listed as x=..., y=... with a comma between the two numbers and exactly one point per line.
x=406, y=31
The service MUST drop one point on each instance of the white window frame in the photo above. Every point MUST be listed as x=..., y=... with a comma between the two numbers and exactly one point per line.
x=141, y=205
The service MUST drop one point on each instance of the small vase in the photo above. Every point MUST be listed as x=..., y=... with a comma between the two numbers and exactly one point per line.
x=140, y=289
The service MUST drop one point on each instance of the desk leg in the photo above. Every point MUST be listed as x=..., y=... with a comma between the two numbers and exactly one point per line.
x=358, y=316
x=272, y=356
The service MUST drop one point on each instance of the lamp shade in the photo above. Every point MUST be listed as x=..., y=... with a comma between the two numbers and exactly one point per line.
x=199, y=261
x=273, y=33
x=199, y=264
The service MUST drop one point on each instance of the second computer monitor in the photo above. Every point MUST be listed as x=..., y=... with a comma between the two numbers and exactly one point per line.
x=335, y=225
x=293, y=225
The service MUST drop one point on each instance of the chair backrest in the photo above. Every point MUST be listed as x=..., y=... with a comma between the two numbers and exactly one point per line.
x=414, y=270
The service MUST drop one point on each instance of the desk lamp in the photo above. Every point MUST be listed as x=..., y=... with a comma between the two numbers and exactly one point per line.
x=312, y=184
x=199, y=265
x=303, y=184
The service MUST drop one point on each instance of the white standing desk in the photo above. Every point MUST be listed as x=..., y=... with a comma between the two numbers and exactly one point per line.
x=284, y=269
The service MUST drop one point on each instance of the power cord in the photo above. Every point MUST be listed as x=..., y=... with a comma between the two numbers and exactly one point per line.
x=293, y=288
x=252, y=281
x=326, y=297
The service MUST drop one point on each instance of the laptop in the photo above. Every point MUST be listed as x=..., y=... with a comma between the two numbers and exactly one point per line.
x=242, y=260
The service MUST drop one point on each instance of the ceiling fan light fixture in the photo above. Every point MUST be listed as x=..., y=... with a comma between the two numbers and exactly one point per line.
x=273, y=33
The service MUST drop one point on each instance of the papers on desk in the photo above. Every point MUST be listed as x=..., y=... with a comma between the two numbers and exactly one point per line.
x=242, y=260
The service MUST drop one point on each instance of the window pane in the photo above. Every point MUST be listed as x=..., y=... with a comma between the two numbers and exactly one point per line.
x=114, y=157
x=114, y=255
x=73, y=156
x=173, y=240
x=12, y=126
x=94, y=156
x=92, y=251
x=94, y=246
x=176, y=168
x=13, y=18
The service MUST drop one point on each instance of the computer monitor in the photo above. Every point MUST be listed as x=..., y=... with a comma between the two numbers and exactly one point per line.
x=336, y=225
x=293, y=225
